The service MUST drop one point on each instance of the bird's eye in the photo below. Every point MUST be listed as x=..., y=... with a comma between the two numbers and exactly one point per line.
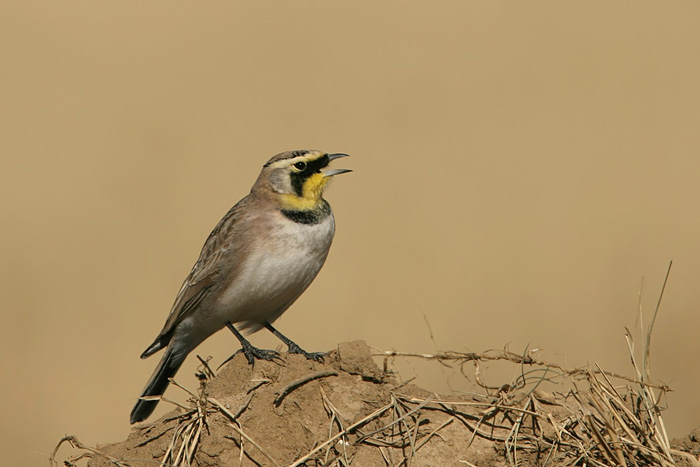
x=300, y=165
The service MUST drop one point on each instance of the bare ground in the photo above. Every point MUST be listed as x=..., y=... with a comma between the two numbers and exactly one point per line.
x=347, y=411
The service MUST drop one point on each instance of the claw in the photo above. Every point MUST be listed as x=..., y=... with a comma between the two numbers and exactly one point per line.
x=252, y=353
x=293, y=347
x=315, y=356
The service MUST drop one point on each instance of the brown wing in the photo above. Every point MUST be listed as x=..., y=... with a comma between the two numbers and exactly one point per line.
x=201, y=278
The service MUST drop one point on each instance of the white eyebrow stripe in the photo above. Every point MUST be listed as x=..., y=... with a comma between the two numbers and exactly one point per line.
x=287, y=162
x=291, y=160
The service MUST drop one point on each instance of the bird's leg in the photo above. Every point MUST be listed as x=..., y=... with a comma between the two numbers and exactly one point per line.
x=294, y=348
x=251, y=352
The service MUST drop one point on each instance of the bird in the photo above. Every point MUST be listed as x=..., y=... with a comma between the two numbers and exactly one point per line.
x=260, y=257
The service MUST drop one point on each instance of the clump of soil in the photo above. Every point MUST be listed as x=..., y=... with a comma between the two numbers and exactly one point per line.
x=347, y=411
x=691, y=446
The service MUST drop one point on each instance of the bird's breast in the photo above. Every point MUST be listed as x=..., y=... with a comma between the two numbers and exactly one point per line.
x=281, y=264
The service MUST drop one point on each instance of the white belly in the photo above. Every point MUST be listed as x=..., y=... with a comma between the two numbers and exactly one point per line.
x=276, y=273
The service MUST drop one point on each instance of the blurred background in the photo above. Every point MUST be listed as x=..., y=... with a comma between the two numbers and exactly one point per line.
x=520, y=169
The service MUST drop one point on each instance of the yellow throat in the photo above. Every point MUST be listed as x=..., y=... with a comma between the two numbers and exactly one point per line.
x=311, y=194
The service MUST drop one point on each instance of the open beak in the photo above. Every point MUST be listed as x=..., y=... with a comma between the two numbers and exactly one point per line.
x=331, y=157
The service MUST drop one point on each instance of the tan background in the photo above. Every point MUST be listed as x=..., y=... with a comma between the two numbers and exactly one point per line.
x=519, y=167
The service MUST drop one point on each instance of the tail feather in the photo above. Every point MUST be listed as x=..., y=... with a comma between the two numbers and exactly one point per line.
x=157, y=384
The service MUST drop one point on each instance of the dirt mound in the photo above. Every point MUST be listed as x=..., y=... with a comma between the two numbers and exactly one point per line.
x=347, y=411
x=690, y=445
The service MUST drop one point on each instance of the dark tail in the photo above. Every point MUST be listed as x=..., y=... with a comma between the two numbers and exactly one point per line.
x=159, y=381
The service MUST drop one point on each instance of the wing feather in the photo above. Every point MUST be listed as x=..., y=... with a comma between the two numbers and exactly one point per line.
x=201, y=278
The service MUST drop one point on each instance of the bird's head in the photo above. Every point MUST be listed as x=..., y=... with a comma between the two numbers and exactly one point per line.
x=298, y=177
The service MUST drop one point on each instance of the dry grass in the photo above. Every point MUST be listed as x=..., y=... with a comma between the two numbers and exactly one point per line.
x=597, y=422
x=601, y=419
x=605, y=419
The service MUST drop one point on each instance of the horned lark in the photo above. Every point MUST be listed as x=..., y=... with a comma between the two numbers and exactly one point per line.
x=256, y=262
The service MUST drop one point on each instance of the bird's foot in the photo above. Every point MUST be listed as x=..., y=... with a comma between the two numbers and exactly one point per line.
x=315, y=356
x=253, y=353
x=293, y=347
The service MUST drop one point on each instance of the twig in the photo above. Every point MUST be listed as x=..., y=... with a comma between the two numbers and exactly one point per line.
x=647, y=349
x=226, y=412
x=373, y=415
x=284, y=392
x=74, y=442
x=511, y=357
